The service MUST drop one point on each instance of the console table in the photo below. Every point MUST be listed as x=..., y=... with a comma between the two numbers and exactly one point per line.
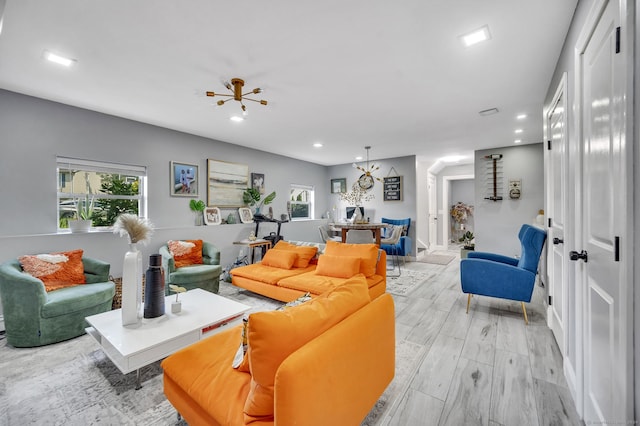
x=266, y=244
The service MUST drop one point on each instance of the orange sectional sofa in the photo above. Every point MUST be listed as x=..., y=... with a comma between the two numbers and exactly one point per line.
x=323, y=362
x=288, y=271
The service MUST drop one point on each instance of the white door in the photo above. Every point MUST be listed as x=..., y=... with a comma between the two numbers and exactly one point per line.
x=606, y=304
x=556, y=209
x=433, y=211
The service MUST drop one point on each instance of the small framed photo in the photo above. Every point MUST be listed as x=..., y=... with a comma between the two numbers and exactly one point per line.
x=184, y=180
x=339, y=186
x=257, y=182
x=245, y=215
x=212, y=216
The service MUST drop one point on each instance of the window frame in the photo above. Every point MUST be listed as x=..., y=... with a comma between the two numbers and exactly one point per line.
x=84, y=165
x=309, y=203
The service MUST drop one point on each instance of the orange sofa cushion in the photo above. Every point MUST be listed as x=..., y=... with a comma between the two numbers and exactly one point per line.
x=56, y=270
x=305, y=253
x=267, y=274
x=368, y=253
x=338, y=266
x=274, y=335
x=186, y=252
x=279, y=259
x=197, y=370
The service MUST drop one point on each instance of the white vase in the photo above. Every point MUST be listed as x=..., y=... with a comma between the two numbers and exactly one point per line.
x=132, y=286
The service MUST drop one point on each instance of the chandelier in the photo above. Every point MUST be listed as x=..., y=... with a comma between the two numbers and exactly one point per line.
x=366, y=180
x=236, y=87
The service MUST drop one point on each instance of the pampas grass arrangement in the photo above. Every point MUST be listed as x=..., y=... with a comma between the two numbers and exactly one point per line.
x=138, y=230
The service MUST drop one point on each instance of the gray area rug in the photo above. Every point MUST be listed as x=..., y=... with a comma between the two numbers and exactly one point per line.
x=406, y=282
x=74, y=383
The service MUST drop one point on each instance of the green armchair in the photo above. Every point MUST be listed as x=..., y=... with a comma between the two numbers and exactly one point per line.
x=205, y=276
x=34, y=317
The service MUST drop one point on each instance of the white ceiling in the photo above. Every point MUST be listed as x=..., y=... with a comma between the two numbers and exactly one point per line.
x=346, y=73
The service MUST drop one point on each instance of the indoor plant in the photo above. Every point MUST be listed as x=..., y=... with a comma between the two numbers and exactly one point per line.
x=251, y=197
x=177, y=305
x=84, y=214
x=467, y=244
x=197, y=206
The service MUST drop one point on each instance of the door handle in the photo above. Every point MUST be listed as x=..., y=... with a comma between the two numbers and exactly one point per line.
x=558, y=240
x=574, y=255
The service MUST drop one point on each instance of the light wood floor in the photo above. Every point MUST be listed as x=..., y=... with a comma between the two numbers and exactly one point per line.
x=486, y=367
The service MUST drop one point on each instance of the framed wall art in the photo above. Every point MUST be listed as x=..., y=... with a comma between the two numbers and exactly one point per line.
x=245, y=215
x=225, y=183
x=338, y=186
x=392, y=188
x=184, y=180
x=212, y=216
x=257, y=182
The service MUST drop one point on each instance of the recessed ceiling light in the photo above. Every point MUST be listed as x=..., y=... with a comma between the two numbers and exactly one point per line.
x=317, y=145
x=475, y=36
x=57, y=59
x=518, y=131
x=521, y=116
x=359, y=158
x=236, y=118
x=517, y=141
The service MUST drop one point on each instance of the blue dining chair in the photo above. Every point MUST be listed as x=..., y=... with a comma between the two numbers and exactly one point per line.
x=495, y=275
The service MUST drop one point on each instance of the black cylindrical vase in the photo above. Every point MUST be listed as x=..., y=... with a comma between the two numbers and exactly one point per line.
x=154, y=288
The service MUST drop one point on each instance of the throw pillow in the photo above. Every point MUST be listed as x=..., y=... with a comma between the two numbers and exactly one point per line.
x=185, y=253
x=305, y=253
x=279, y=259
x=274, y=335
x=368, y=254
x=55, y=270
x=338, y=266
x=241, y=360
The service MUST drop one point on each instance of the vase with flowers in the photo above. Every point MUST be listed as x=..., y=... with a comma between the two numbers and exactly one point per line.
x=356, y=197
x=138, y=230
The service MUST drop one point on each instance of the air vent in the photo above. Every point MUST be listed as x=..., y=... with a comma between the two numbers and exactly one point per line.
x=490, y=111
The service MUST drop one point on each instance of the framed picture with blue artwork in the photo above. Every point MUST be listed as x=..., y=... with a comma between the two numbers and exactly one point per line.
x=184, y=180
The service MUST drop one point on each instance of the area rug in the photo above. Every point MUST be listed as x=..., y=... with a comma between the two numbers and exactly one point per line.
x=437, y=259
x=74, y=383
x=406, y=282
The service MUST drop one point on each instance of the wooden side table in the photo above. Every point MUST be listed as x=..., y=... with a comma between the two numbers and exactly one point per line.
x=253, y=245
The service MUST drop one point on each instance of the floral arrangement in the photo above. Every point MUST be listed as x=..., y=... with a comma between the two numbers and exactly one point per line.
x=356, y=196
x=461, y=211
x=138, y=230
x=177, y=290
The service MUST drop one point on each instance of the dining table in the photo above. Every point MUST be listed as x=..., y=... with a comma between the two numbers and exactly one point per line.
x=376, y=229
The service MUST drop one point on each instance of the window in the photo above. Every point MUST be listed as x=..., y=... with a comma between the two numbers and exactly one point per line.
x=301, y=202
x=103, y=190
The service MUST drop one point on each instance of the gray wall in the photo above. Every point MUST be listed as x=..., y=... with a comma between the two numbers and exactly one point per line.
x=497, y=222
x=34, y=131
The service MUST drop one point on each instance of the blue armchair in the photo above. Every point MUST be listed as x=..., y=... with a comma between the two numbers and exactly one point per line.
x=494, y=275
x=402, y=247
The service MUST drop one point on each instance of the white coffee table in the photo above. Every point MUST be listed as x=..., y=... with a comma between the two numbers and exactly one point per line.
x=134, y=346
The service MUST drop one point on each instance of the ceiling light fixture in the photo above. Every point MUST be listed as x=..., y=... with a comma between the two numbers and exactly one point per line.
x=518, y=131
x=236, y=118
x=366, y=179
x=521, y=116
x=517, y=141
x=236, y=87
x=317, y=145
x=57, y=59
x=476, y=36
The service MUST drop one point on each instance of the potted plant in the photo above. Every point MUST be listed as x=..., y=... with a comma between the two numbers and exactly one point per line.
x=197, y=206
x=84, y=214
x=177, y=305
x=467, y=244
x=251, y=197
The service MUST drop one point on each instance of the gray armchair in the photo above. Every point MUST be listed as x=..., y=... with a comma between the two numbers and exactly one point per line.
x=34, y=317
x=205, y=276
